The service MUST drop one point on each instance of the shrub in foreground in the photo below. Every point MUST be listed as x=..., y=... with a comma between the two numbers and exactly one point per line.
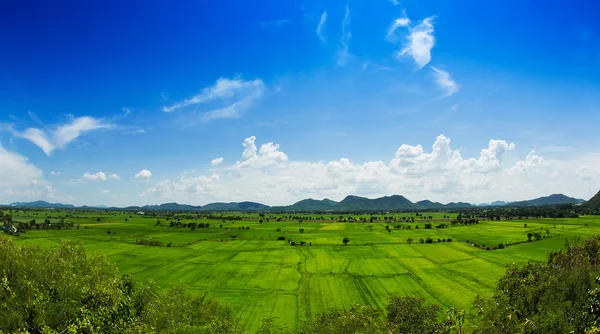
x=65, y=290
x=560, y=296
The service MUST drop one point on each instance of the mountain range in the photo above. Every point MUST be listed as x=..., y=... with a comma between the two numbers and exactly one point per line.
x=348, y=204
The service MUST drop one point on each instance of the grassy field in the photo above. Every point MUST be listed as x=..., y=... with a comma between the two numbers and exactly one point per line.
x=242, y=262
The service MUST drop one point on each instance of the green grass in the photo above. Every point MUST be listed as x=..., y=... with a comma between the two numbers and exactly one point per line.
x=259, y=275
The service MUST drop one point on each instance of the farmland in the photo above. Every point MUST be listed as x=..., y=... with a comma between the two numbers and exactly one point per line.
x=241, y=261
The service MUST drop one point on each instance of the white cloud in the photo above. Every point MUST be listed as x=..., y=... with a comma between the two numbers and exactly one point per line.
x=100, y=176
x=265, y=173
x=17, y=171
x=233, y=95
x=343, y=54
x=104, y=191
x=42, y=192
x=143, y=175
x=419, y=42
x=530, y=164
x=399, y=22
x=126, y=111
x=584, y=173
x=59, y=137
x=114, y=177
x=55, y=173
x=444, y=80
x=395, y=2
x=321, y=26
x=216, y=161
x=269, y=154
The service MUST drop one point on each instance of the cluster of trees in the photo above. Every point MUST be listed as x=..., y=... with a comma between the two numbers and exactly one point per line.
x=13, y=227
x=428, y=240
x=149, y=242
x=559, y=296
x=192, y=226
x=410, y=315
x=65, y=290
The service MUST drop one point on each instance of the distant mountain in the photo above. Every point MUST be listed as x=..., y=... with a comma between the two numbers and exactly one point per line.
x=386, y=203
x=172, y=207
x=235, y=206
x=164, y=207
x=42, y=204
x=349, y=204
x=458, y=205
x=427, y=204
x=549, y=200
x=594, y=202
x=311, y=205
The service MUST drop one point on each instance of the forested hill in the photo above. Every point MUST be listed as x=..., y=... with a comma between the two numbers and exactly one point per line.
x=349, y=204
x=549, y=200
x=594, y=202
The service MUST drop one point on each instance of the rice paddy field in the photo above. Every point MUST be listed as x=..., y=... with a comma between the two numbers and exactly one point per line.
x=242, y=262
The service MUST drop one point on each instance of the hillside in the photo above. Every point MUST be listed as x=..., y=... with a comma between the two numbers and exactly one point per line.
x=386, y=203
x=310, y=204
x=594, y=202
x=457, y=205
x=548, y=200
x=42, y=205
x=427, y=204
x=234, y=206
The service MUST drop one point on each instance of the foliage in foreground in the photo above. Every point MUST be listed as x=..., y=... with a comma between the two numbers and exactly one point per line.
x=560, y=296
x=66, y=291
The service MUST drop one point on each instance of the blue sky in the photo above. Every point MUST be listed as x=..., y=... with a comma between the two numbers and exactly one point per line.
x=470, y=100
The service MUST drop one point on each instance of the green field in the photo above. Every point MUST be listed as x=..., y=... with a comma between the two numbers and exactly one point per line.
x=242, y=262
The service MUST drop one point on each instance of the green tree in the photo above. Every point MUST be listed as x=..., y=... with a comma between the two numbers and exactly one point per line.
x=358, y=319
x=345, y=241
x=411, y=315
x=65, y=290
x=559, y=296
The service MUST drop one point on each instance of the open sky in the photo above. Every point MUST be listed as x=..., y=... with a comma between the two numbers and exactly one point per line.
x=145, y=102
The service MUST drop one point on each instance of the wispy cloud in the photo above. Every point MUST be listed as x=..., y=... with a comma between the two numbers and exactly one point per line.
x=395, y=2
x=114, y=177
x=49, y=141
x=419, y=42
x=234, y=96
x=343, y=54
x=321, y=26
x=35, y=118
x=399, y=22
x=275, y=23
x=444, y=80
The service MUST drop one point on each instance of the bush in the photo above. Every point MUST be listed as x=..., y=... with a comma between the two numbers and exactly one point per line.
x=65, y=290
x=429, y=241
x=281, y=238
x=561, y=295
